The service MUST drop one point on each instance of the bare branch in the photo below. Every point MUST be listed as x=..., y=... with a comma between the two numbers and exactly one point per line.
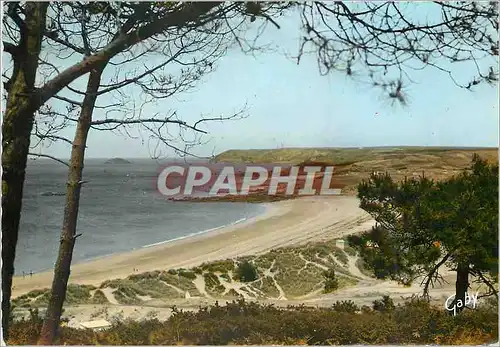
x=48, y=156
x=432, y=275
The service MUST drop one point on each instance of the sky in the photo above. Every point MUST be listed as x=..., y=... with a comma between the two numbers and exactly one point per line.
x=290, y=105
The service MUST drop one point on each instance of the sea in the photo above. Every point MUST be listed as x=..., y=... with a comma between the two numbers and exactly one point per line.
x=120, y=210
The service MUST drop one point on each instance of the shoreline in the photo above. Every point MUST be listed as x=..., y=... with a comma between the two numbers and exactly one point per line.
x=242, y=222
x=265, y=205
x=283, y=223
x=236, y=224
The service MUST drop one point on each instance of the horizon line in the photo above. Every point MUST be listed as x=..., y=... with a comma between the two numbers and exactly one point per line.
x=284, y=148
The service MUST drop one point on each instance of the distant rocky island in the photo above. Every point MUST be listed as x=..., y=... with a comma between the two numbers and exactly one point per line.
x=117, y=161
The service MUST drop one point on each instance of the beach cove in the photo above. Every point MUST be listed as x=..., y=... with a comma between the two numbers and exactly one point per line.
x=285, y=223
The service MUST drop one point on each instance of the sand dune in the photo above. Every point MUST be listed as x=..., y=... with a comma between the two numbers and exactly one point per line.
x=285, y=223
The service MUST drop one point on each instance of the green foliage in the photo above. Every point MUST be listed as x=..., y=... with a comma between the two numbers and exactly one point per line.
x=384, y=305
x=243, y=323
x=212, y=284
x=99, y=298
x=190, y=275
x=143, y=276
x=422, y=224
x=340, y=255
x=350, y=251
x=77, y=294
x=246, y=272
x=268, y=287
x=221, y=266
x=345, y=306
x=331, y=281
x=179, y=281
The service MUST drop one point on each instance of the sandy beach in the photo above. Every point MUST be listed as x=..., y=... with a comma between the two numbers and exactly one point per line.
x=284, y=223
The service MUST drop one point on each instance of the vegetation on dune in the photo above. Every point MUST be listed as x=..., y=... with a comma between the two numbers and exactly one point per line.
x=243, y=323
x=331, y=282
x=179, y=281
x=297, y=271
x=221, y=266
x=99, y=298
x=76, y=294
x=246, y=272
x=213, y=285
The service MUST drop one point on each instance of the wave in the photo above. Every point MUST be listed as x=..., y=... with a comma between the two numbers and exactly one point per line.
x=196, y=233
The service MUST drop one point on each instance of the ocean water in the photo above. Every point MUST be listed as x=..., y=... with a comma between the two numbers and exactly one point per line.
x=120, y=210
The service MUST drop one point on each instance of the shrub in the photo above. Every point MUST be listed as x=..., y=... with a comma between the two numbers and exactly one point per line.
x=143, y=276
x=331, y=281
x=384, y=305
x=221, y=266
x=99, y=298
x=345, y=306
x=239, y=323
x=187, y=274
x=212, y=284
x=246, y=272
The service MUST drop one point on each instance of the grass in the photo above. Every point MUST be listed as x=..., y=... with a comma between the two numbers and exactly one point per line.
x=263, y=262
x=99, y=298
x=346, y=281
x=360, y=264
x=296, y=284
x=267, y=286
x=220, y=266
x=124, y=297
x=340, y=255
x=297, y=270
x=180, y=282
x=232, y=294
x=212, y=284
x=349, y=250
x=190, y=275
x=78, y=294
x=157, y=289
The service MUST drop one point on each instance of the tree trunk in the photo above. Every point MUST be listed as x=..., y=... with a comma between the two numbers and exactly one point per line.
x=52, y=320
x=16, y=129
x=461, y=286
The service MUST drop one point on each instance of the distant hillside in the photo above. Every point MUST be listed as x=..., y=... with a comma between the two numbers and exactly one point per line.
x=117, y=161
x=354, y=164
